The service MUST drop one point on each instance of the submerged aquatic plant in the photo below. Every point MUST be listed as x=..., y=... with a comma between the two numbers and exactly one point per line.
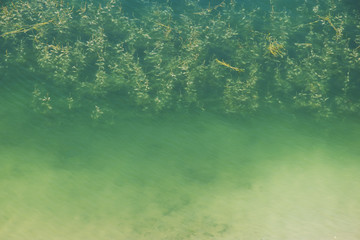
x=228, y=65
x=276, y=49
x=185, y=56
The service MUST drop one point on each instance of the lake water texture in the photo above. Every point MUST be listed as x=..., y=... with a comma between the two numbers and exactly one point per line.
x=175, y=175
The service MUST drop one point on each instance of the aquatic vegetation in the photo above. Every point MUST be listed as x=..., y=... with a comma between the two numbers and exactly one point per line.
x=276, y=49
x=228, y=65
x=211, y=9
x=25, y=29
x=96, y=113
x=40, y=102
x=224, y=57
x=337, y=30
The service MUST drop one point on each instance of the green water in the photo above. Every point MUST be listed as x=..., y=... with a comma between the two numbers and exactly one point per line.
x=177, y=176
x=179, y=120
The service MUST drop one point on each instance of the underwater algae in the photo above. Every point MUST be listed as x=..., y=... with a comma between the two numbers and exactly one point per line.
x=222, y=56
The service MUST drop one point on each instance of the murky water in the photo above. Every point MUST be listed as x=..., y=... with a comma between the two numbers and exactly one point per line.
x=177, y=176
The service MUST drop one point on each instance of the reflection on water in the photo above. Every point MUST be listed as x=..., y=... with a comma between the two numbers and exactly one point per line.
x=179, y=177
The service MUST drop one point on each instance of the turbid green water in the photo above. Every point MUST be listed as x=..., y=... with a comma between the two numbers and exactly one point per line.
x=179, y=120
x=177, y=176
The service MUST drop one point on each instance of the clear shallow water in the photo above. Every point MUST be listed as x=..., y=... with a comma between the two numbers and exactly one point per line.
x=181, y=176
x=177, y=176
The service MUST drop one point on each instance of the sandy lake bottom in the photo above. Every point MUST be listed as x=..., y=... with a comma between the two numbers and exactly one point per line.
x=179, y=177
